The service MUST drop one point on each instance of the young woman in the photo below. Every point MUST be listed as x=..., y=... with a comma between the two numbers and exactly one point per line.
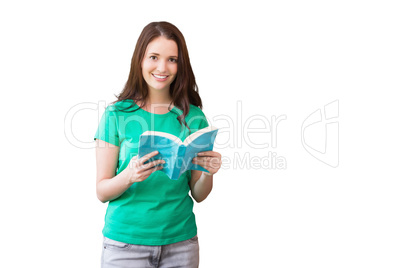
x=149, y=220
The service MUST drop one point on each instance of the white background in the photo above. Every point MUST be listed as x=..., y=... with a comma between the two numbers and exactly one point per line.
x=278, y=58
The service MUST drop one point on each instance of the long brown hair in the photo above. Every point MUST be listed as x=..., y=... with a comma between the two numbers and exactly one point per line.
x=183, y=90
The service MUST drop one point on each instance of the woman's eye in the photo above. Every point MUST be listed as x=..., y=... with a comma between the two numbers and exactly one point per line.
x=153, y=57
x=173, y=60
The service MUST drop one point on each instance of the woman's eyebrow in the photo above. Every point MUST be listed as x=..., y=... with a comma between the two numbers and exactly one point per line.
x=158, y=54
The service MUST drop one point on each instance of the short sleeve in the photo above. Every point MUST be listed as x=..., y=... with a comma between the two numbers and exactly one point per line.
x=196, y=119
x=203, y=122
x=107, y=128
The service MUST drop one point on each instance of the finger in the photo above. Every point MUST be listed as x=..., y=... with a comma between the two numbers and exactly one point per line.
x=203, y=159
x=215, y=164
x=212, y=167
x=147, y=156
x=200, y=164
x=203, y=163
x=148, y=172
x=210, y=162
x=209, y=153
x=152, y=164
x=199, y=160
x=210, y=171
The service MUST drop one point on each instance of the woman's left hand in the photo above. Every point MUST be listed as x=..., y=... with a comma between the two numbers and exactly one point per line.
x=209, y=160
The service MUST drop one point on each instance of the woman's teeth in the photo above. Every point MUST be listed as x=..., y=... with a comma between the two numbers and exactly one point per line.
x=160, y=76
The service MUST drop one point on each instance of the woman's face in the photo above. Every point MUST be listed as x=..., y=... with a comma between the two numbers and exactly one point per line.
x=159, y=66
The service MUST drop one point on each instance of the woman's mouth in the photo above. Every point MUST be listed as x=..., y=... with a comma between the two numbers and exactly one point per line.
x=160, y=78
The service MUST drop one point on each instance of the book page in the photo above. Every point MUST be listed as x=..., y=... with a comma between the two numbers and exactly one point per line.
x=198, y=133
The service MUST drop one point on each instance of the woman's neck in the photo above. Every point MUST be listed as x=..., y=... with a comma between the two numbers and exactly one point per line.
x=157, y=103
x=159, y=97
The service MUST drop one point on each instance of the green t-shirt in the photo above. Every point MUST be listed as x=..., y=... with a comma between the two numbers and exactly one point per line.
x=156, y=211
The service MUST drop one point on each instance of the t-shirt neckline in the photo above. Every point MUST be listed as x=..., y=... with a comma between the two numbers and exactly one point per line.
x=174, y=108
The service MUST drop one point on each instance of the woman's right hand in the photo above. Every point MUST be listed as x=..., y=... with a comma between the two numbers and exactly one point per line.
x=138, y=171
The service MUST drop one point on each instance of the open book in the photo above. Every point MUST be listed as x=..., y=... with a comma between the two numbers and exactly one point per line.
x=178, y=155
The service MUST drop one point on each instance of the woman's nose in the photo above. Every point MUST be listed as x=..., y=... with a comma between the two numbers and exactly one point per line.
x=162, y=66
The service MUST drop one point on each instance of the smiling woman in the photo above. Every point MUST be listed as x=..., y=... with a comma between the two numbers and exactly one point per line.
x=149, y=221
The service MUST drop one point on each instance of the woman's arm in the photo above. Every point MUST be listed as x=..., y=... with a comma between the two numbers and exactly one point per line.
x=110, y=186
x=201, y=182
x=200, y=185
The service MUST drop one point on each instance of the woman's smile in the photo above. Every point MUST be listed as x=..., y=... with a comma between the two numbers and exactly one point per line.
x=160, y=78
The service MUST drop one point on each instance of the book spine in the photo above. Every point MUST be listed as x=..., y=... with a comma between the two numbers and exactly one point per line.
x=179, y=162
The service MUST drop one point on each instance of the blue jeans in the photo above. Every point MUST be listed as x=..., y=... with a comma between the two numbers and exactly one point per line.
x=120, y=255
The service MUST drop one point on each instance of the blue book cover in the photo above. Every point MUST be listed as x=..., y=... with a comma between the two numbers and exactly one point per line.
x=178, y=155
